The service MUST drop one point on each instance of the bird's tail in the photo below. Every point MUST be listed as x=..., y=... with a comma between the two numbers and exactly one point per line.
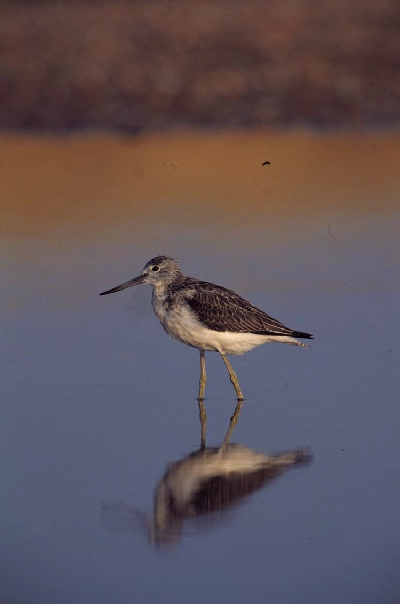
x=303, y=335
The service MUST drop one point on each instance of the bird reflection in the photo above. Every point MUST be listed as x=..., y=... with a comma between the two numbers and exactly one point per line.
x=203, y=487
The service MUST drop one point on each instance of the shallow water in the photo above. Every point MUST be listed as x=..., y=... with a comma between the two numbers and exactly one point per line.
x=98, y=401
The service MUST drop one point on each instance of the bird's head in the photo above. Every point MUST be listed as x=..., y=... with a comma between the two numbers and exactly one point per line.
x=159, y=270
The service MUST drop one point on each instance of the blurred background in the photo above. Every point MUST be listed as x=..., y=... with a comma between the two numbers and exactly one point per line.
x=136, y=66
x=257, y=143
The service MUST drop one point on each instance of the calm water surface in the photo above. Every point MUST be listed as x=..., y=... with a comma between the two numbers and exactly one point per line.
x=99, y=410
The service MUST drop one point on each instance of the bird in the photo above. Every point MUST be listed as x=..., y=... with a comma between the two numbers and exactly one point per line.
x=208, y=317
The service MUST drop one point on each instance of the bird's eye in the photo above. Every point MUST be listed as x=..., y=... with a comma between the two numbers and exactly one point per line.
x=155, y=268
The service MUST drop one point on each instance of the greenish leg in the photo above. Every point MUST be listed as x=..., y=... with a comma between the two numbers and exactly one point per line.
x=203, y=422
x=233, y=377
x=202, y=383
x=233, y=422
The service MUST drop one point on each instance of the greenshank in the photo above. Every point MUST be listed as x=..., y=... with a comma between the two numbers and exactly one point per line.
x=208, y=316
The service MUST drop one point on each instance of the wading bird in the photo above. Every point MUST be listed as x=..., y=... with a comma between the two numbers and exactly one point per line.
x=208, y=316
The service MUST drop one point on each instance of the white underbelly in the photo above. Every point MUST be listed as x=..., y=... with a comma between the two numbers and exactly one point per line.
x=181, y=325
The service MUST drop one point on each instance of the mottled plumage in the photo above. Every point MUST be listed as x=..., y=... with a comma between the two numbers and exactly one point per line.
x=208, y=316
x=222, y=309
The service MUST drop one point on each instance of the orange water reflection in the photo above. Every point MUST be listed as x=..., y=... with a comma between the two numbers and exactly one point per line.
x=96, y=183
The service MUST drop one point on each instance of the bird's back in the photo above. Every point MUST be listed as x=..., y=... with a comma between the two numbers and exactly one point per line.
x=221, y=309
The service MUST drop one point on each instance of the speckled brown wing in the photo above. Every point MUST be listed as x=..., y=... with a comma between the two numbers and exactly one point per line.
x=221, y=309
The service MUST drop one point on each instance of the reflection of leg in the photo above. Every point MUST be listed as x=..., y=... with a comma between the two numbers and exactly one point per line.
x=203, y=421
x=233, y=422
x=233, y=377
x=202, y=383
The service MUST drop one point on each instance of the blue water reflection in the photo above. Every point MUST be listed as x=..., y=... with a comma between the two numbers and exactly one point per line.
x=203, y=488
x=96, y=400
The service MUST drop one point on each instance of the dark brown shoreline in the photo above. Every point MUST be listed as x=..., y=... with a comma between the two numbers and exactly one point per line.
x=135, y=66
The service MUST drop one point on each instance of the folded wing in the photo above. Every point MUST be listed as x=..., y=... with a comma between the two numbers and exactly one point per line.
x=221, y=309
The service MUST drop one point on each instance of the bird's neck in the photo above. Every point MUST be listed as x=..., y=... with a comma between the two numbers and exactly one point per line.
x=160, y=290
x=162, y=296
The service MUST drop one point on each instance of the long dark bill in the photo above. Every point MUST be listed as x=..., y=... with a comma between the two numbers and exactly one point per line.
x=135, y=281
